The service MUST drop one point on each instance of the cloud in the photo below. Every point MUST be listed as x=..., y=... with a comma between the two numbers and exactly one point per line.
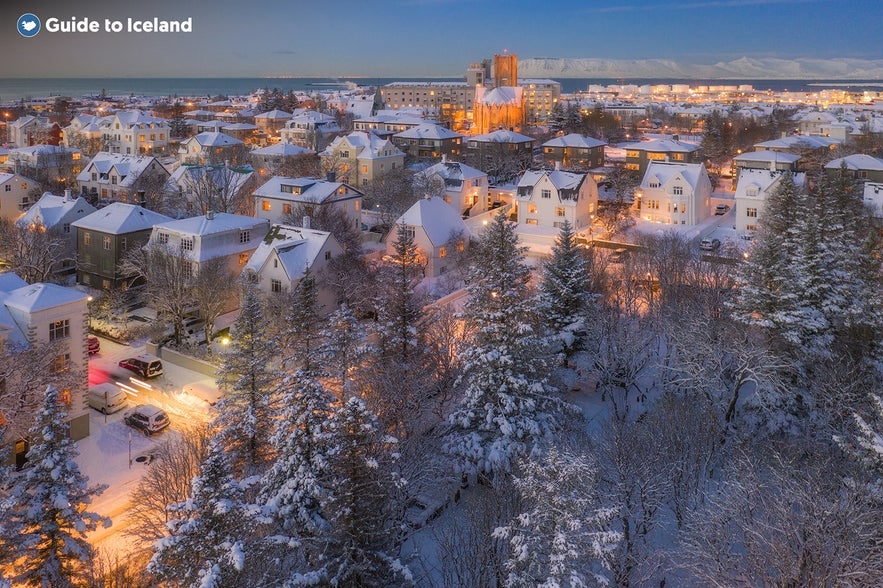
x=284, y=52
x=693, y=5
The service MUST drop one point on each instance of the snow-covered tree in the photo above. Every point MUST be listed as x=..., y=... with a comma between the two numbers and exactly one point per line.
x=244, y=413
x=507, y=409
x=300, y=333
x=562, y=535
x=295, y=488
x=208, y=544
x=400, y=309
x=45, y=516
x=564, y=288
x=343, y=346
x=363, y=521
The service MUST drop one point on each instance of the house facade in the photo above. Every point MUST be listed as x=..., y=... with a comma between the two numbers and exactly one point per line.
x=574, y=152
x=428, y=141
x=360, y=157
x=858, y=166
x=16, y=194
x=548, y=198
x=133, y=132
x=466, y=188
x=211, y=148
x=310, y=130
x=279, y=197
x=753, y=190
x=112, y=177
x=674, y=193
x=638, y=156
x=438, y=232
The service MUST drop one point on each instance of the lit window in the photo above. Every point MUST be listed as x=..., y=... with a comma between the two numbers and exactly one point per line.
x=59, y=330
x=751, y=212
x=265, y=205
x=243, y=258
x=559, y=211
x=442, y=252
x=532, y=208
x=286, y=208
x=87, y=238
x=61, y=363
x=107, y=243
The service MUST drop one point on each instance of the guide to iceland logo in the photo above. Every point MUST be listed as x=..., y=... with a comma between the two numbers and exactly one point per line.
x=28, y=25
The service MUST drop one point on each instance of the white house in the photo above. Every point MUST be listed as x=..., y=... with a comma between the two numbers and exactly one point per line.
x=752, y=191
x=48, y=313
x=134, y=132
x=197, y=185
x=873, y=198
x=438, y=231
x=285, y=254
x=117, y=178
x=466, y=188
x=675, y=193
x=310, y=129
x=360, y=157
x=56, y=213
x=233, y=237
x=548, y=198
x=210, y=147
x=15, y=194
x=280, y=196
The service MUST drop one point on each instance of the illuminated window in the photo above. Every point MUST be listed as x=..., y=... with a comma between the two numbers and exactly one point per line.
x=61, y=363
x=531, y=221
x=532, y=208
x=243, y=258
x=87, y=238
x=286, y=208
x=559, y=211
x=59, y=330
x=751, y=212
x=442, y=252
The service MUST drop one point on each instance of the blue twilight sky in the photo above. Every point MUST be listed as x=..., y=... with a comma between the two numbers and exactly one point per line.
x=423, y=38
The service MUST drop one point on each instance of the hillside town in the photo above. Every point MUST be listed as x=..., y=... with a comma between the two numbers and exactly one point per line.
x=477, y=333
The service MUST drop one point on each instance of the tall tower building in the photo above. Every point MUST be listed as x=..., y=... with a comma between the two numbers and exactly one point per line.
x=505, y=70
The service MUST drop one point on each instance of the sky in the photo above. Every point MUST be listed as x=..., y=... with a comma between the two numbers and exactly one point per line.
x=425, y=38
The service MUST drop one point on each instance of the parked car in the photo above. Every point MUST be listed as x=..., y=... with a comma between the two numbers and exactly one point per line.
x=107, y=398
x=206, y=392
x=147, y=418
x=145, y=365
x=94, y=344
x=709, y=244
x=721, y=209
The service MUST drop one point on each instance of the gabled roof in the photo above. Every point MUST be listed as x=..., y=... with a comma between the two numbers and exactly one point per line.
x=575, y=140
x=437, y=218
x=799, y=141
x=368, y=145
x=202, y=225
x=296, y=249
x=856, y=162
x=282, y=150
x=502, y=96
x=37, y=297
x=663, y=146
x=214, y=139
x=50, y=210
x=567, y=184
x=187, y=176
x=120, y=218
x=128, y=167
x=767, y=156
x=10, y=281
x=312, y=190
x=762, y=179
x=274, y=115
x=428, y=131
x=663, y=171
x=452, y=170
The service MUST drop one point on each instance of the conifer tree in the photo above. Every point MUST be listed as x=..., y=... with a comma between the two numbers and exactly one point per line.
x=177, y=124
x=301, y=333
x=343, y=346
x=563, y=291
x=45, y=514
x=507, y=408
x=399, y=309
x=208, y=544
x=244, y=414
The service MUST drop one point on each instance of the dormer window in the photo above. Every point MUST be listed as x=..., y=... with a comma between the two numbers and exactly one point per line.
x=678, y=190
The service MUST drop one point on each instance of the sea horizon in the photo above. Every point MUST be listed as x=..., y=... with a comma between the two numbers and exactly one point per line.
x=20, y=88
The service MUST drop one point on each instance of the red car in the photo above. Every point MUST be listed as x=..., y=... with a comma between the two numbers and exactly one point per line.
x=94, y=345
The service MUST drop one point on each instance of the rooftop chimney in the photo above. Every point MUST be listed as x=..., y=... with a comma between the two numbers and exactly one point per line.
x=67, y=195
x=675, y=137
x=557, y=165
x=444, y=157
x=331, y=175
x=306, y=221
x=209, y=214
x=773, y=165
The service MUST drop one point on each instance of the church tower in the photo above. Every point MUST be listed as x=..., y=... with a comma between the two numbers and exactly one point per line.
x=505, y=70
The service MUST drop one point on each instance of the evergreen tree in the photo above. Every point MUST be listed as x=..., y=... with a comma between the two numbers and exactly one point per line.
x=557, y=118
x=295, y=488
x=177, y=124
x=290, y=102
x=301, y=333
x=363, y=524
x=207, y=546
x=562, y=538
x=507, y=408
x=563, y=291
x=45, y=515
x=343, y=346
x=399, y=308
x=244, y=414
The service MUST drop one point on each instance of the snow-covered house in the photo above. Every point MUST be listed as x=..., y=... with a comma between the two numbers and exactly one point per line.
x=429, y=140
x=57, y=214
x=274, y=158
x=103, y=238
x=639, y=155
x=752, y=190
x=872, y=197
x=486, y=151
x=798, y=144
x=360, y=157
x=45, y=161
x=574, y=151
x=285, y=254
x=675, y=193
x=47, y=313
x=232, y=237
x=858, y=166
x=765, y=160
x=33, y=130
x=813, y=123
x=310, y=129
x=197, y=186
x=211, y=147
x=548, y=198
x=438, y=232
x=15, y=194
x=279, y=197
x=271, y=122
x=134, y=132
x=466, y=188
x=112, y=177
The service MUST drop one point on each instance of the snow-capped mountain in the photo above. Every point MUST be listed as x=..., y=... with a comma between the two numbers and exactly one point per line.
x=744, y=68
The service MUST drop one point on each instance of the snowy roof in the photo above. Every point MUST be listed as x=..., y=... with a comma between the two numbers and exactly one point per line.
x=499, y=96
x=37, y=297
x=131, y=118
x=239, y=127
x=368, y=145
x=187, y=176
x=663, y=171
x=312, y=116
x=36, y=150
x=50, y=209
x=5, y=177
x=275, y=115
x=452, y=170
x=858, y=161
x=575, y=140
x=128, y=167
x=663, y=146
x=220, y=222
x=310, y=189
x=761, y=180
x=10, y=281
x=799, y=142
x=501, y=136
x=282, y=150
x=567, y=184
x=428, y=131
x=767, y=156
x=213, y=139
x=437, y=218
x=296, y=249
x=120, y=218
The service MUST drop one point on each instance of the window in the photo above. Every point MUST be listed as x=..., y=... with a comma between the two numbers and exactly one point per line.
x=265, y=205
x=162, y=238
x=442, y=252
x=559, y=211
x=653, y=184
x=67, y=228
x=356, y=205
x=61, y=363
x=461, y=245
x=244, y=236
x=187, y=244
x=546, y=193
x=113, y=180
x=275, y=262
x=276, y=286
x=531, y=221
x=286, y=208
x=409, y=232
x=750, y=227
x=364, y=169
x=106, y=243
x=243, y=258
x=187, y=270
x=678, y=190
x=751, y=212
x=59, y=330
x=531, y=208
x=87, y=238
x=123, y=243
x=327, y=255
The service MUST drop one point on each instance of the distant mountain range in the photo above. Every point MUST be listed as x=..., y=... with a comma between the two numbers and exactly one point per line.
x=746, y=68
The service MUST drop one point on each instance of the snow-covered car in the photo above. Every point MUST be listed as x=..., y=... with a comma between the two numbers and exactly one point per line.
x=147, y=418
x=206, y=392
x=709, y=244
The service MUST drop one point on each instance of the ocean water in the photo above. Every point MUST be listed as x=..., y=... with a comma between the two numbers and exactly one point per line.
x=24, y=88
